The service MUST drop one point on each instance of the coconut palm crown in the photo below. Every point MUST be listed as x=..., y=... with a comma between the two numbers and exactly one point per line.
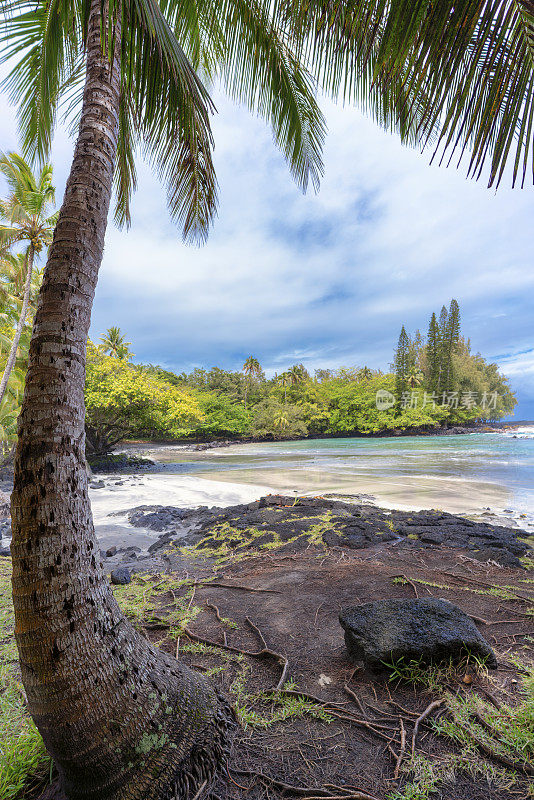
x=165, y=108
x=27, y=218
x=458, y=77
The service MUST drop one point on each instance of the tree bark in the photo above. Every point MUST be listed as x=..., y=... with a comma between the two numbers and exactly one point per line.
x=20, y=326
x=122, y=720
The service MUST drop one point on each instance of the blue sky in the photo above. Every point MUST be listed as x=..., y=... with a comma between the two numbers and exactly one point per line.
x=324, y=279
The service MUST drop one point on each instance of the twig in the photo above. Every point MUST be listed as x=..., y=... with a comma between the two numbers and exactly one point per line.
x=404, y=710
x=428, y=710
x=355, y=698
x=402, y=750
x=316, y=613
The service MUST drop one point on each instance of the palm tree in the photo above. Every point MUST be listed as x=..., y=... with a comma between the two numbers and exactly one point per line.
x=252, y=369
x=298, y=374
x=99, y=692
x=114, y=344
x=25, y=217
x=285, y=380
x=121, y=719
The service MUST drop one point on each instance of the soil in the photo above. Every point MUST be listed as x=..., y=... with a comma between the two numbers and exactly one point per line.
x=286, y=598
x=300, y=621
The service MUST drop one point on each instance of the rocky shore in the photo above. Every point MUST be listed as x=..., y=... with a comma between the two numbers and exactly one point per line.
x=289, y=524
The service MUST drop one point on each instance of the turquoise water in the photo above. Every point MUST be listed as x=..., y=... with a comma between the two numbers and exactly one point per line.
x=485, y=469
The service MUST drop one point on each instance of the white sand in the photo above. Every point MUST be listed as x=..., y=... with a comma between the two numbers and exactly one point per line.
x=164, y=490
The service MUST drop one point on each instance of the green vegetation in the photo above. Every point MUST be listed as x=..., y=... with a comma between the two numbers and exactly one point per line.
x=436, y=382
x=478, y=729
x=27, y=223
x=122, y=401
x=23, y=758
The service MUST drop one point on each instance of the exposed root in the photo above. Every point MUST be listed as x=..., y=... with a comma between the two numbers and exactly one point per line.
x=484, y=747
x=348, y=793
x=265, y=651
x=428, y=710
x=401, y=752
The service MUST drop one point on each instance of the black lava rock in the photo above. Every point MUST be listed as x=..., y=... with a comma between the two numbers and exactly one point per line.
x=156, y=518
x=429, y=629
x=120, y=576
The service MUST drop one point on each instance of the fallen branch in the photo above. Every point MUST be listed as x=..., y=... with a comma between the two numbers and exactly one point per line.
x=428, y=710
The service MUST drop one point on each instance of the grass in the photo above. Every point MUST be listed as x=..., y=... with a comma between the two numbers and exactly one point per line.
x=23, y=758
x=433, y=677
x=504, y=592
x=150, y=598
x=508, y=731
x=256, y=709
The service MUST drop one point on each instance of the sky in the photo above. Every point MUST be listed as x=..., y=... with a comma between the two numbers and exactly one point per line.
x=325, y=279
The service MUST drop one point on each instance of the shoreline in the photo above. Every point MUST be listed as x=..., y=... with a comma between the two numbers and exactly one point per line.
x=207, y=444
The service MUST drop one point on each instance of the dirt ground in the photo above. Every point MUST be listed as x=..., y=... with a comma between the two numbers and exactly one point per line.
x=314, y=724
x=296, y=610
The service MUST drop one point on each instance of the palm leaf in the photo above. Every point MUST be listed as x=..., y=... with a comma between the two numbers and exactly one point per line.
x=461, y=72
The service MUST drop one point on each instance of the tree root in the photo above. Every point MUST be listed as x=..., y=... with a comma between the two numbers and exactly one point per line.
x=265, y=652
x=401, y=752
x=518, y=766
x=349, y=793
x=428, y=710
x=336, y=710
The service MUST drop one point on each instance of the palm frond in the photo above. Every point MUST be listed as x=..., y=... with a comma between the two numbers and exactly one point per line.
x=44, y=41
x=170, y=109
x=259, y=69
x=458, y=73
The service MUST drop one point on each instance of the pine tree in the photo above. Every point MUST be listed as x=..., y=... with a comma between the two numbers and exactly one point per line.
x=402, y=363
x=451, y=341
x=433, y=354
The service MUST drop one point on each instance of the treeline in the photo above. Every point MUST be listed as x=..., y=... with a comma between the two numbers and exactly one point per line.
x=435, y=381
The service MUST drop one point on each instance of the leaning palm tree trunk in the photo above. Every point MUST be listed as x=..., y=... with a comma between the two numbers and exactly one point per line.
x=20, y=325
x=120, y=719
